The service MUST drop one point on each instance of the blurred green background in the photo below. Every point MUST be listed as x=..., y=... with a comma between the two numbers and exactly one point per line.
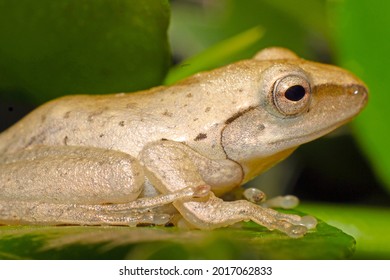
x=51, y=48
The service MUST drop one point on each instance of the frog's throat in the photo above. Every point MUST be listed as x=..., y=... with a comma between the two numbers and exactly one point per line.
x=255, y=166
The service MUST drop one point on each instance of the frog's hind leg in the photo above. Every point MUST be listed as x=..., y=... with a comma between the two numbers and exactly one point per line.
x=70, y=175
x=130, y=214
x=75, y=185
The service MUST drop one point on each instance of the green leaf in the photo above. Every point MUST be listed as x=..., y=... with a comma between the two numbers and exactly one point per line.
x=368, y=225
x=362, y=32
x=52, y=48
x=216, y=55
x=310, y=15
x=247, y=242
x=297, y=25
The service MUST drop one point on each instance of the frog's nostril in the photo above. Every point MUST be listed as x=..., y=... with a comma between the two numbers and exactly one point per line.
x=359, y=91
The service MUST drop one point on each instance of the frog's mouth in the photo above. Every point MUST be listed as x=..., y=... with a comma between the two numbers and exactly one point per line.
x=299, y=140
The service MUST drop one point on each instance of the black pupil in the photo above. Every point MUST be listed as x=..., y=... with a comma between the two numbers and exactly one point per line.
x=295, y=93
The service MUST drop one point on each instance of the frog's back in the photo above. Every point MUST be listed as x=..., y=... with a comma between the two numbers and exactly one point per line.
x=193, y=111
x=70, y=120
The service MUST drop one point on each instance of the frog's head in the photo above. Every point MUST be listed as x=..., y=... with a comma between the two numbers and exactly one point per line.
x=297, y=101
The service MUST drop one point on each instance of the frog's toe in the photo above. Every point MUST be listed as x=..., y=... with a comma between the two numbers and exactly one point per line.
x=291, y=229
x=285, y=202
x=296, y=231
x=308, y=221
x=254, y=195
x=201, y=191
x=157, y=219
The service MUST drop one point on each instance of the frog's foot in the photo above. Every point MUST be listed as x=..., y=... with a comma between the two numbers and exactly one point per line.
x=285, y=202
x=214, y=213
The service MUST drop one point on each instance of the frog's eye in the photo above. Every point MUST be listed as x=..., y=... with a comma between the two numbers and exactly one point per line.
x=291, y=95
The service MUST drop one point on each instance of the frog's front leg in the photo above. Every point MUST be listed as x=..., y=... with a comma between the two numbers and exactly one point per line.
x=78, y=185
x=171, y=166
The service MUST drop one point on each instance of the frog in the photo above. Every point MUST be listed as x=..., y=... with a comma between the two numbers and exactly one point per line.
x=168, y=154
